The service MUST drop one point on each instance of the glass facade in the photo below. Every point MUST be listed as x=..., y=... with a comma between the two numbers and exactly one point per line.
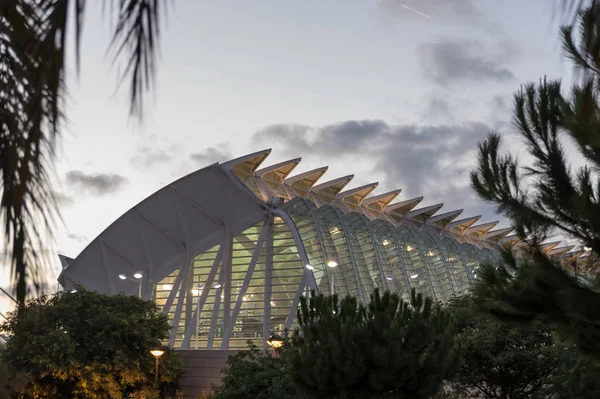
x=248, y=286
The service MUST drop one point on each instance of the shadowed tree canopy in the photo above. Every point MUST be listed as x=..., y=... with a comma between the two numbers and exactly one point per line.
x=88, y=345
x=547, y=195
x=389, y=348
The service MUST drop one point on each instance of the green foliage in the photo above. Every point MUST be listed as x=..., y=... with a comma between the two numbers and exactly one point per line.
x=255, y=374
x=503, y=360
x=390, y=348
x=547, y=195
x=89, y=345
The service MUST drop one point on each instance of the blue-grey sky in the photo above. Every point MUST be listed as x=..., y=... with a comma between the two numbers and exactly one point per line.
x=365, y=86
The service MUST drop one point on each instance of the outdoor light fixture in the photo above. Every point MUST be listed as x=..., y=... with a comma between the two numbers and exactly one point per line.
x=157, y=353
x=390, y=278
x=137, y=278
x=587, y=248
x=197, y=290
x=386, y=242
x=218, y=285
x=73, y=291
x=414, y=276
x=332, y=263
x=310, y=267
x=275, y=342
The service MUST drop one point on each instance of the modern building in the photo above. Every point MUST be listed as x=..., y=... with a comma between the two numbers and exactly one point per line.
x=227, y=251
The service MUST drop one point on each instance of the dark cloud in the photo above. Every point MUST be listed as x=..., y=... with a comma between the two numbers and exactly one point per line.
x=429, y=160
x=211, y=155
x=62, y=199
x=95, y=183
x=449, y=61
x=146, y=157
x=77, y=237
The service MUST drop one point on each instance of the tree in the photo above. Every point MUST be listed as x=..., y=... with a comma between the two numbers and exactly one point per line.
x=389, y=348
x=547, y=195
x=89, y=345
x=504, y=360
x=256, y=374
x=33, y=41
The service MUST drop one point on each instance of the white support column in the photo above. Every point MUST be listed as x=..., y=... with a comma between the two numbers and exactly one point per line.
x=228, y=328
x=173, y=292
x=185, y=271
x=296, y=300
x=185, y=344
x=215, y=316
x=268, y=283
x=226, y=271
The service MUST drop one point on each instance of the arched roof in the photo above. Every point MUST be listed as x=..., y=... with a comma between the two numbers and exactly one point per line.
x=186, y=217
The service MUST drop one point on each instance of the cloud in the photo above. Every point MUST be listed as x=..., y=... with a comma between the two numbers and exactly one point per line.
x=146, y=157
x=429, y=160
x=95, y=183
x=211, y=155
x=449, y=61
x=78, y=238
x=63, y=200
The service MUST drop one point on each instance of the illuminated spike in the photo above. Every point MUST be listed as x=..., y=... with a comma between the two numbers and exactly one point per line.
x=354, y=197
x=399, y=210
x=548, y=246
x=247, y=164
x=561, y=250
x=328, y=191
x=461, y=225
x=277, y=173
x=442, y=220
x=303, y=182
x=497, y=234
x=481, y=229
x=421, y=215
x=510, y=240
x=378, y=203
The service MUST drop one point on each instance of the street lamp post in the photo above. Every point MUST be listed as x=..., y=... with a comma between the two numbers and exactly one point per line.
x=275, y=342
x=157, y=353
x=332, y=264
x=137, y=277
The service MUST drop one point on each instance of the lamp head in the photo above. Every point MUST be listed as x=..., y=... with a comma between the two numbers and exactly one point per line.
x=275, y=341
x=157, y=352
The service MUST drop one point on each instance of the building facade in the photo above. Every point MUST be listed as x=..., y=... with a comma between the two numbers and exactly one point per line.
x=227, y=251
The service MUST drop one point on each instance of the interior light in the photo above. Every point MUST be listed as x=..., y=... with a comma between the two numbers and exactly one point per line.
x=414, y=276
x=218, y=285
x=409, y=248
x=138, y=275
x=73, y=291
x=272, y=303
x=332, y=263
x=122, y=276
x=386, y=242
x=390, y=278
x=587, y=248
x=310, y=267
x=244, y=298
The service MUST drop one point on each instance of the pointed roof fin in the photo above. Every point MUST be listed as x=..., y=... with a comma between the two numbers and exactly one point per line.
x=421, y=215
x=379, y=202
x=305, y=181
x=355, y=196
x=461, y=225
x=399, y=210
x=247, y=164
x=443, y=219
x=481, y=229
x=332, y=187
x=278, y=172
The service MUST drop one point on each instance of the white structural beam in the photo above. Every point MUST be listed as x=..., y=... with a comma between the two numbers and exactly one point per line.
x=279, y=172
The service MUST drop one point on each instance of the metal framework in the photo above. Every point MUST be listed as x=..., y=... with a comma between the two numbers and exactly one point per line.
x=226, y=252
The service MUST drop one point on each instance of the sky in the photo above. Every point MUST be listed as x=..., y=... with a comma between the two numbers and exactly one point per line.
x=365, y=86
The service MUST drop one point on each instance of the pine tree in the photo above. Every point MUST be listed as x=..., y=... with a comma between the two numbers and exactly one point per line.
x=389, y=348
x=547, y=196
